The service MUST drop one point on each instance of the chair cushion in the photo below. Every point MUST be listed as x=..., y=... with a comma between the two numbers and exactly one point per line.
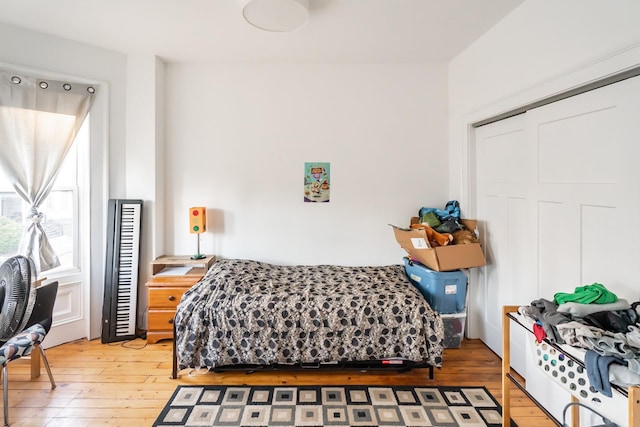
x=22, y=344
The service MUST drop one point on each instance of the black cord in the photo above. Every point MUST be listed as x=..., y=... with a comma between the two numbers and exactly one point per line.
x=126, y=342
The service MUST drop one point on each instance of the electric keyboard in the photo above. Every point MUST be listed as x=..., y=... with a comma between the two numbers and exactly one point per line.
x=119, y=310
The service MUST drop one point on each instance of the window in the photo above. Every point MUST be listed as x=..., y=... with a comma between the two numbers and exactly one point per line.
x=60, y=208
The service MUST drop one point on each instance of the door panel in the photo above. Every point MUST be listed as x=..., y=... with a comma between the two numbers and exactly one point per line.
x=69, y=322
x=503, y=171
x=558, y=248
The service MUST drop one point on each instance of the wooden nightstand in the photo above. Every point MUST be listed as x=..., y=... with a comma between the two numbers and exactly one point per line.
x=172, y=276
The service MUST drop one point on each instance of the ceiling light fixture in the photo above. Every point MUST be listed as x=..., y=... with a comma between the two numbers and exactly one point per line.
x=276, y=15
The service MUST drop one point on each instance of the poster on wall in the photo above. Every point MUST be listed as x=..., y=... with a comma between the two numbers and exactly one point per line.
x=317, y=182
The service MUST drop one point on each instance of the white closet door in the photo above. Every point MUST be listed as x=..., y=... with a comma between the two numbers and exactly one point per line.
x=587, y=190
x=505, y=206
x=557, y=198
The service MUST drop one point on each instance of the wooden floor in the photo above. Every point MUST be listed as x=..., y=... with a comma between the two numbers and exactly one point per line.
x=128, y=383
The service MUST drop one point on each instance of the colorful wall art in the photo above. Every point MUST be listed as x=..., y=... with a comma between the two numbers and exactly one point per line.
x=317, y=182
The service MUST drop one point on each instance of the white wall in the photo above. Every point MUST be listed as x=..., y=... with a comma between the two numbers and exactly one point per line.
x=144, y=160
x=542, y=47
x=238, y=137
x=237, y=140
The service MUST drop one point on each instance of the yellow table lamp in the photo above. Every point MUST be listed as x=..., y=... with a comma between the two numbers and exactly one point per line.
x=197, y=225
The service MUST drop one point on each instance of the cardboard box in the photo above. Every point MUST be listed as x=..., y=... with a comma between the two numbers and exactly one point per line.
x=440, y=258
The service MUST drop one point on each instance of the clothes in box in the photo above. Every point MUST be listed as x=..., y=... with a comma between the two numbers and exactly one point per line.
x=440, y=258
x=446, y=291
x=453, y=329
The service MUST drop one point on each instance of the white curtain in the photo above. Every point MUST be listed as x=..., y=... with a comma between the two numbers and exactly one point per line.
x=39, y=120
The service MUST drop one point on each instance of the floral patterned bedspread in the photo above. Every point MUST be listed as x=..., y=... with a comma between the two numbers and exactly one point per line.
x=254, y=313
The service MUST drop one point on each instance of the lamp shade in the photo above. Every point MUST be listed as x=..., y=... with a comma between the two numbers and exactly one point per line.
x=197, y=220
x=276, y=15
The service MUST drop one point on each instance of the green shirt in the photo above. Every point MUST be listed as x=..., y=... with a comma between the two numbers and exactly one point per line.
x=590, y=294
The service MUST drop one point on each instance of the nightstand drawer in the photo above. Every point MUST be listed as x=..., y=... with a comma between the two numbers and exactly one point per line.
x=165, y=297
x=161, y=319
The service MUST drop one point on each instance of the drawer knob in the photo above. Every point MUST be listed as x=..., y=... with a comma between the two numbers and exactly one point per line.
x=172, y=298
x=170, y=321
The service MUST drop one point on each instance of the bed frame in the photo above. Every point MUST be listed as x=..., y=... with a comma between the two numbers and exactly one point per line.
x=400, y=365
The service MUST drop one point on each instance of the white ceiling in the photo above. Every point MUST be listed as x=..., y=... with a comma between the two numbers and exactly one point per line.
x=409, y=31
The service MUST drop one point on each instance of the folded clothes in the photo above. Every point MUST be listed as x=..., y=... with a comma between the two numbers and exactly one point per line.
x=577, y=309
x=596, y=293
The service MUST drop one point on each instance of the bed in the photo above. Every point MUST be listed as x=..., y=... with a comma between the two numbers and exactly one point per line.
x=246, y=313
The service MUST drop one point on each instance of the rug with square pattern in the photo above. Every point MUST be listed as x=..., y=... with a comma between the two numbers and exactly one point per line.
x=331, y=406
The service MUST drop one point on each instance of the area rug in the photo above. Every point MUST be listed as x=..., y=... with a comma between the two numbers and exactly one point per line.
x=330, y=406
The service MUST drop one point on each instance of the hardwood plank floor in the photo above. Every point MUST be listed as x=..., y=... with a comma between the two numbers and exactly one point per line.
x=128, y=383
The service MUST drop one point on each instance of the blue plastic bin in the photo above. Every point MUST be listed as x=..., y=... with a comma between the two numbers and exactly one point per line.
x=446, y=291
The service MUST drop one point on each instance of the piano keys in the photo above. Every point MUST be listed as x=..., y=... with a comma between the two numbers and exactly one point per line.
x=120, y=305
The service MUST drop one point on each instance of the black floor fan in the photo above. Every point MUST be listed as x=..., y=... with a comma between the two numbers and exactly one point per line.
x=17, y=294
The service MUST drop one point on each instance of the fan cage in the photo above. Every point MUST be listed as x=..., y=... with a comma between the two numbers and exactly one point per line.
x=17, y=278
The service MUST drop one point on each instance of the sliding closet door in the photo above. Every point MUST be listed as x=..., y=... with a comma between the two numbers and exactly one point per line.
x=558, y=200
x=505, y=200
x=588, y=192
